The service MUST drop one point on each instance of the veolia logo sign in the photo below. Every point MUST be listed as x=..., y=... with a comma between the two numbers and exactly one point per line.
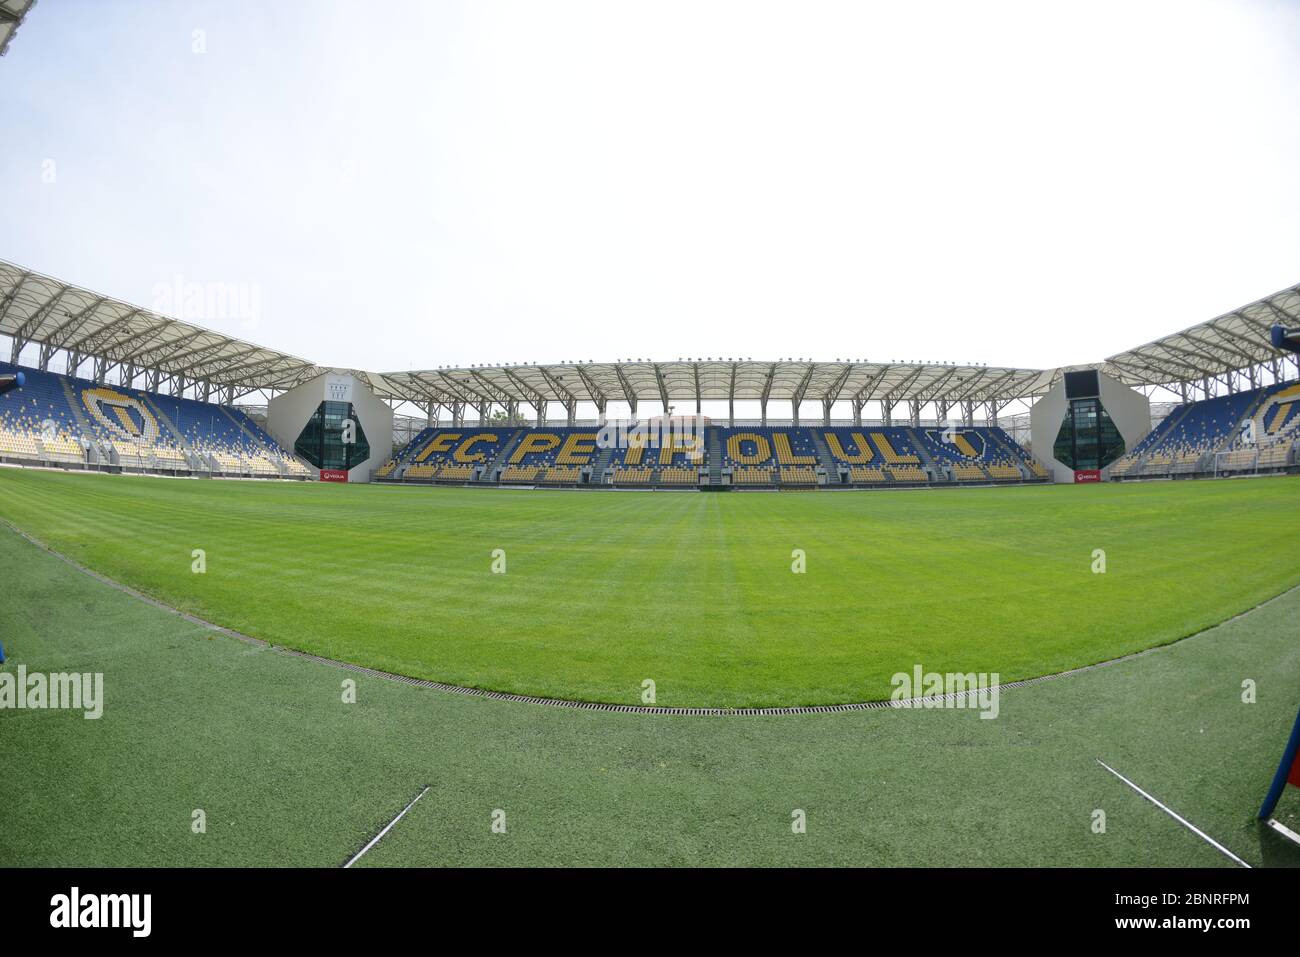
x=338, y=388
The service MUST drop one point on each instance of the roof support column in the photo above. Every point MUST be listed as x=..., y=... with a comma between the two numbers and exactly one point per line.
x=914, y=412
x=857, y=412
x=826, y=412
x=762, y=405
x=484, y=413
x=571, y=411
x=968, y=413
x=601, y=405
x=731, y=411
x=428, y=415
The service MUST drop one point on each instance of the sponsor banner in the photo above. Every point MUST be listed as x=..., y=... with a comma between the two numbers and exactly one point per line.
x=1086, y=475
x=333, y=475
x=338, y=388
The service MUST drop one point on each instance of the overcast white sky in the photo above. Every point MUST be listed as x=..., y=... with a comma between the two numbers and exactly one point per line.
x=409, y=184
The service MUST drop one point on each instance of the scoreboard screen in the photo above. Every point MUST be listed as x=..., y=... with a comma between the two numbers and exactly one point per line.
x=1082, y=385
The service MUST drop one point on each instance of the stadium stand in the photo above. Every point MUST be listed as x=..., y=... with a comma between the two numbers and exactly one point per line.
x=1245, y=431
x=766, y=455
x=70, y=421
x=872, y=456
x=36, y=422
x=653, y=457
x=447, y=455
x=1266, y=440
x=976, y=454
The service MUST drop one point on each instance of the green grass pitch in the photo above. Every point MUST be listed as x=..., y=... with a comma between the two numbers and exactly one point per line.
x=288, y=774
x=693, y=591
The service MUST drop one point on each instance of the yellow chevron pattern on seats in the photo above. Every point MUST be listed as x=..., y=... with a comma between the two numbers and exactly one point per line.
x=887, y=450
x=861, y=457
x=1279, y=416
x=963, y=445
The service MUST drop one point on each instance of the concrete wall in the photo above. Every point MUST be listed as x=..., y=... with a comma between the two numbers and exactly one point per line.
x=1129, y=409
x=287, y=414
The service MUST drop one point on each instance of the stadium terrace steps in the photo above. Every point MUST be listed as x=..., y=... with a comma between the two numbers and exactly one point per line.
x=491, y=469
x=714, y=442
x=1016, y=455
x=1249, y=413
x=927, y=461
x=193, y=461
x=824, y=457
x=601, y=465
x=1139, y=456
x=235, y=421
x=95, y=450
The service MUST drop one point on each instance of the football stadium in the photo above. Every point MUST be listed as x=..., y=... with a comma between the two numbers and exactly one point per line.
x=265, y=611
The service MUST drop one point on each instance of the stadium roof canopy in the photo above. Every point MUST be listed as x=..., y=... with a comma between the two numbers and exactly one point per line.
x=11, y=17
x=35, y=309
x=1237, y=340
x=687, y=380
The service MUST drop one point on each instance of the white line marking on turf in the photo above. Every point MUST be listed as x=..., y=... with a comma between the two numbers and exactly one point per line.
x=1283, y=830
x=1176, y=816
x=380, y=836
